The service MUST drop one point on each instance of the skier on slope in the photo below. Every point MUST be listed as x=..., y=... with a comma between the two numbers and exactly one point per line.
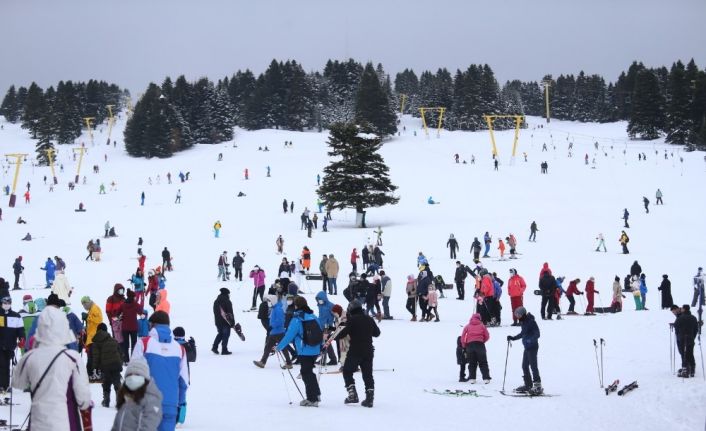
x=601, y=243
x=280, y=244
x=50, y=268
x=624, y=240
x=533, y=232
x=530, y=340
x=473, y=339
x=487, y=239
x=626, y=216
x=452, y=245
x=686, y=328
x=475, y=249
x=515, y=289
x=699, y=282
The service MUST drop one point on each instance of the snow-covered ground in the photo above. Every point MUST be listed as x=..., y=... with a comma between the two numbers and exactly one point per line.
x=571, y=205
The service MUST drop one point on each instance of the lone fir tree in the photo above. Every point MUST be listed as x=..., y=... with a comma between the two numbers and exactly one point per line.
x=358, y=177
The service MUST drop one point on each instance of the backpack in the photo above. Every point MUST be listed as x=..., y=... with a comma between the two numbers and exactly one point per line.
x=190, y=348
x=312, y=333
x=497, y=290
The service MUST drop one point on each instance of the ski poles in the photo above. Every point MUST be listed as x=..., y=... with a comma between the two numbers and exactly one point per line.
x=279, y=359
x=598, y=367
x=507, y=353
x=671, y=349
x=602, y=344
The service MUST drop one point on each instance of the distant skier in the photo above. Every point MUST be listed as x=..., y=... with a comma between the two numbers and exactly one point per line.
x=280, y=244
x=501, y=248
x=487, y=239
x=626, y=216
x=291, y=207
x=284, y=206
x=533, y=232
x=590, y=291
x=530, y=340
x=431, y=201
x=217, y=228
x=318, y=179
x=452, y=245
x=354, y=259
x=246, y=173
x=624, y=239
x=475, y=248
x=646, y=202
x=495, y=164
x=512, y=242
x=50, y=268
x=379, y=235
x=601, y=243
x=658, y=196
x=178, y=197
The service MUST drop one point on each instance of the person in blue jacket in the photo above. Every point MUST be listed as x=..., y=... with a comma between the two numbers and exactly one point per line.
x=276, y=332
x=50, y=268
x=167, y=362
x=487, y=239
x=530, y=340
x=307, y=354
x=327, y=322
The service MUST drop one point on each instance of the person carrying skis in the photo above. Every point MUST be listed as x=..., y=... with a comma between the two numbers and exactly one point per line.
x=666, y=289
x=224, y=318
x=515, y=289
x=305, y=331
x=533, y=232
x=530, y=340
x=590, y=293
x=624, y=240
x=686, y=328
x=452, y=245
x=475, y=249
x=473, y=339
x=361, y=329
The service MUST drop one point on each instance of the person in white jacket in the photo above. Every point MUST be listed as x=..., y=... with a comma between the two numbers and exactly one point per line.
x=54, y=375
x=61, y=287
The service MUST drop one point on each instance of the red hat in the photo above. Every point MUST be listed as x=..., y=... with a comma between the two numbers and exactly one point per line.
x=337, y=309
x=26, y=298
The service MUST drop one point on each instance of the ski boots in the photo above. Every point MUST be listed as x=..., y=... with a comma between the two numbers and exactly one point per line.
x=486, y=381
x=259, y=364
x=524, y=389
x=369, y=396
x=352, y=397
x=536, y=389
x=307, y=403
x=472, y=381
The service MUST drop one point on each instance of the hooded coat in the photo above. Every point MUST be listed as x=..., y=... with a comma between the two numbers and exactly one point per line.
x=65, y=380
x=142, y=416
x=62, y=288
x=325, y=313
x=112, y=305
x=475, y=330
x=162, y=303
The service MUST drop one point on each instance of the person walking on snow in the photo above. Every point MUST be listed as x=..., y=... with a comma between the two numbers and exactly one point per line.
x=475, y=249
x=501, y=247
x=626, y=216
x=601, y=243
x=617, y=303
x=258, y=279
x=487, y=239
x=646, y=202
x=354, y=259
x=17, y=269
x=533, y=232
x=331, y=269
x=452, y=245
x=666, y=289
x=624, y=239
x=590, y=293
x=280, y=244
x=178, y=197
x=530, y=340
x=658, y=197
x=572, y=290
x=275, y=333
x=643, y=291
x=635, y=287
x=50, y=269
x=224, y=319
x=379, y=235
x=142, y=199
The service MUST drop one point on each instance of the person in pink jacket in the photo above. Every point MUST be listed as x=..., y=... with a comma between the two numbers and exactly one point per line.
x=432, y=302
x=515, y=288
x=473, y=339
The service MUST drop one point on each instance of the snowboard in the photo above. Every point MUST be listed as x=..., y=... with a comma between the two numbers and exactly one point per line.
x=458, y=393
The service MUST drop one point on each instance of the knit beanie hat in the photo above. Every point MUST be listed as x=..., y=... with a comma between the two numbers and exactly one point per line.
x=337, y=309
x=138, y=367
x=53, y=299
x=159, y=318
x=520, y=312
x=179, y=332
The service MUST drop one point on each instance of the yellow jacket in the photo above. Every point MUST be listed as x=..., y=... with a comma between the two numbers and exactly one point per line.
x=95, y=317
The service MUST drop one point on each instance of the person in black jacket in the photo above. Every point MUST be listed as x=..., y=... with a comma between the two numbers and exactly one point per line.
x=361, y=329
x=224, y=318
x=547, y=285
x=17, y=269
x=460, y=275
x=166, y=259
x=377, y=256
x=530, y=341
x=475, y=249
x=666, y=289
x=11, y=331
x=366, y=257
x=686, y=328
x=635, y=269
x=238, y=261
x=452, y=245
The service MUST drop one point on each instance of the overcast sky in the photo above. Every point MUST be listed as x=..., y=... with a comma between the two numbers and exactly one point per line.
x=133, y=42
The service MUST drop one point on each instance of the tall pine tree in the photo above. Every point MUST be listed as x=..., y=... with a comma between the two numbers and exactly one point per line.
x=679, y=122
x=358, y=177
x=372, y=104
x=647, y=107
x=9, y=108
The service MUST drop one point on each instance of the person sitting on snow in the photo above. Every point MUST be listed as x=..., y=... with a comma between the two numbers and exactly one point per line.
x=27, y=237
x=430, y=201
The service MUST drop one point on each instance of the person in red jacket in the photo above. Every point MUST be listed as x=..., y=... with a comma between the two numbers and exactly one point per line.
x=488, y=294
x=570, y=292
x=515, y=289
x=473, y=339
x=129, y=310
x=112, y=310
x=590, y=291
x=354, y=259
x=141, y=262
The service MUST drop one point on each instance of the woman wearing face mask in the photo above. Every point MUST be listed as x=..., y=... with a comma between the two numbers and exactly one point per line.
x=112, y=310
x=139, y=400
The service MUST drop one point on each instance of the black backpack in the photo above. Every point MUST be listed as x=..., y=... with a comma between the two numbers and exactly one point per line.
x=190, y=348
x=312, y=333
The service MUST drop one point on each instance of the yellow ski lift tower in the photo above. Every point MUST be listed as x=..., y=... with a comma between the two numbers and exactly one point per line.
x=89, y=123
x=50, y=156
x=81, y=150
x=547, y=83
x=518, y=122
x=19, y=158
x=403, y=100
x=439, y=110
x=129, y=107
x=111, y=120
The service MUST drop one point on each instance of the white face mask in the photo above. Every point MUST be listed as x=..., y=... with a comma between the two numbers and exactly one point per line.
x=134, y=382
x=321, y=302
x=289, y=302
x=121, y=292
x=6, y=306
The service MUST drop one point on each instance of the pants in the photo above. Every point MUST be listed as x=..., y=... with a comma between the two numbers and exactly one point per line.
x=386, y=306
x=17, y=279
x=324, y=283
x=90, y=255
x=697, y=293
x=643, y=296
x=128, y=344
x=423, y=306
x=436, y=313
x=366, y=369
x=270, y=342
x=572, y=302
x=369, y=307
x=487, y=249
x=89, y=359
x=453, y=253
x=589, y=306
x=169, y=419
x=411, y=306
x=460, y=288
x=686, y=350
x=140, y=297
x=5, y=364
x=216, y=232
x=659, y=201
x=529, y=361
x=222, y=337
x=626, y=223
x=493, y=308
x=638, y=302
x=332, y=287
x=625, y=249
x=601, y=244
x=355, y=266
x=477, y=358
x=548, y=306
x=221, y=272
x=476, y=254
x=311, y=385
x=533, y=236
x=238, y=273
x=515, y=303
x=110, y=378
x=255, y=292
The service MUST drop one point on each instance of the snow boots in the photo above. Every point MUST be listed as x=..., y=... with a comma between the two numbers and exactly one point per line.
x=369, y=396
x=414, y=318
x=259, y=364
x=352, y=397
x=106, y=399
x=307, y=403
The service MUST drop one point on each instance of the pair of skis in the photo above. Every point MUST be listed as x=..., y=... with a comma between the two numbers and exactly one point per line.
x=614, y=387
x=457, y=393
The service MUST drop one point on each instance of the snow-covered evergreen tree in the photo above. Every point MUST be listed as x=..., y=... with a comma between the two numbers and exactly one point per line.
x=647, y=117
x=373, y=106
x=9, y=107
x=679, y=125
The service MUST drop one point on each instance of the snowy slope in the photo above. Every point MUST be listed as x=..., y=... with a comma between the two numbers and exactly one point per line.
x=571, y=205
